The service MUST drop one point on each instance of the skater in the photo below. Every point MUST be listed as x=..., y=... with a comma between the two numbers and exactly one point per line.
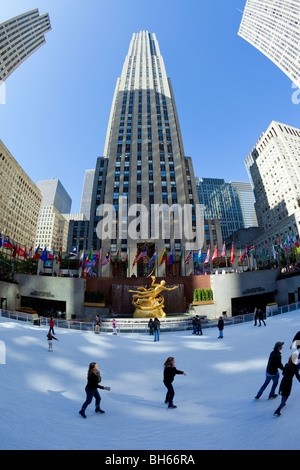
x=156, y=326
x=290, y=370
x=51, y=324
x=199, y=329
x=272, y=373
x=50, y=337
x=150, y=326
x=261, y=317
x=169, y=373
x=91, y=389
x=194, y=323
x=296, y=341
x=97, y=324
x=221, y=327
x=255, y=316
x=114, y=325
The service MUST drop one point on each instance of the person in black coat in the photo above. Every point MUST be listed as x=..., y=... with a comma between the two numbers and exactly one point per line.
x=91, y=389
x=220, y=327
x=169, y=373
x=290, y=370
x=296, y=345
x=272, y=373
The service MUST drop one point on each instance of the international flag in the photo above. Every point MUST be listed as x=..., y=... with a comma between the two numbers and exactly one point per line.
x=251, y=250
x=59, y=256
x=232, y=254
x=163, y=257
x=134, y=261
x=288, y=241
x=274, y=252
x=37, y=254
x=245, y=253
x=215, y=255
x=7, y=244
x=73, y=252
x=117, y=258
x=293, y=238
x=153, y=258
x=106, y=259
x=207, y=256
x=30, y=252
x=280, y=243
x=189, y=257
x=89, y=256
x=170, y=260
x=21, y=252
x=15, y=251
x=142, y=254
x=98, y=259
x=81, y=259
x=0, y=240
x=199, y=257
x=127, y=260
x=223, y=252
x=44, y=256
x=51, y=254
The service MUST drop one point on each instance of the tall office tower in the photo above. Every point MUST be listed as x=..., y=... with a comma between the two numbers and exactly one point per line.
x=19, y=38
x=20, y=202
x=221, y=201
x=274, y=166
x=247, y=201
x=144, y=161
x=52, y=230
x=273, y=27
x=87, y=193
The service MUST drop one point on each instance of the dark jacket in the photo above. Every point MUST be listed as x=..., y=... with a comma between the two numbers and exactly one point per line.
x=288, y=374
x=221, y=324
x=93, y=381
x=169, y=373
x=156, y=324
x=274, y=362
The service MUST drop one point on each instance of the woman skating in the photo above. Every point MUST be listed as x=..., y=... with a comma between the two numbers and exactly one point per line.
x=290, y=370
x=91, y=389
x=169, y=373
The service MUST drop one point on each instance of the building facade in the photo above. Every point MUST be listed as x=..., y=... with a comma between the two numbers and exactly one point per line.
x=20, y=37
x=20, y=202
x=274, y=166
x=273, y=27
x=247, y=201
x=143, y=164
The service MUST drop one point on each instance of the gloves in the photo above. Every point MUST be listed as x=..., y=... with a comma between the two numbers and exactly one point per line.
x=107, y=388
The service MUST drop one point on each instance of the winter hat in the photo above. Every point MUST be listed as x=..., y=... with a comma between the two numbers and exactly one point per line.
x=278, y=345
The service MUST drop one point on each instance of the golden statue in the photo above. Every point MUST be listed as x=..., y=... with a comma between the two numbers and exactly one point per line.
x=150, y=302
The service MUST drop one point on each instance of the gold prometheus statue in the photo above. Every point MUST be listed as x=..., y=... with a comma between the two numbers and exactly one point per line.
x=149, y=302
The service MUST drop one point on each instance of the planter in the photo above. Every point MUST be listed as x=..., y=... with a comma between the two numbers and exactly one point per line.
x=203, y=302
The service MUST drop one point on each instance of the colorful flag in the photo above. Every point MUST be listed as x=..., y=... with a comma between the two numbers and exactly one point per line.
x=0, y=240
x=134, y=261
x=288, y=240
x=215, y=255
x=170, y=260
x=274, y=252
x=15, y=251
x=223, y=253
x=280, y=243
x=294, y=240
x=142, y=254
x=127, y=260
x=51, y=254
x=37, y=254
x=153, y=258
x=73, y=252
x=199, y=257
x=30, y=252
x=59, y=256
x=189, y=257
x=163, y=257
x=232, y=254
x=7, y=244
x=207, y=256
x=21, y=252
x=106, y=259
x=89, y=256
x=98, y=259
x=81, y=259
x=251, y=250
x=117, y=258
x=44, y=256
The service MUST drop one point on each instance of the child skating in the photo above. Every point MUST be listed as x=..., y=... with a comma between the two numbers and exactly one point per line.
x=50, y=337
x=169, y=373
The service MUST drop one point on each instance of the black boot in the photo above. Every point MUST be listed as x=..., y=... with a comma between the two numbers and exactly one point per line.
x=82, y=413
x=98, y=410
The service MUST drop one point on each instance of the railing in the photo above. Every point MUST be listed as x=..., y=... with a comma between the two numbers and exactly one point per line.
x=139, y=325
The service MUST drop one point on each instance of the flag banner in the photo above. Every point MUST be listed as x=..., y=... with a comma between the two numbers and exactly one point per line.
x=223, y=253
x=89, y=256
x=44, y=256
x=73, y=252
x=98, y=259
x=163, y=257
x=170, y=260
x=153, y=258
x=37, y=254
x=106, y=259
x=51, y=254
x=189, y=257
x=252, y=250
x=21, y=252
x=142, y=254
x=0, y=240
x=207, y=256
x=135, y=258
x=215, y=255
x=81, y=259
x=117, y=259
x=7, y=244
x=232, y=255
x=59, y=256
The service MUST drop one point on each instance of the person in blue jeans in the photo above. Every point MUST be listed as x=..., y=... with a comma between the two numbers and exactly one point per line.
x=91, y=389
x=156, y=326
x=272, y=373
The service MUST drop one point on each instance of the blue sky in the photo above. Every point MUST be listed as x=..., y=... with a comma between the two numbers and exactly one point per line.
x=58, y=101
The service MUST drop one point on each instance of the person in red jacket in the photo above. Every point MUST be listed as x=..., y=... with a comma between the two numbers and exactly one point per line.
x=51, y=324
x=91, y=389
x=169, y=373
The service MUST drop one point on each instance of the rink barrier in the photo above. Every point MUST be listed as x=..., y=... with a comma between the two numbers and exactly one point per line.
x=141, y=325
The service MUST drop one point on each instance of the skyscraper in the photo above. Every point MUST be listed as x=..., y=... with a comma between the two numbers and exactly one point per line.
x=144, y=163
x=273, y=27
x=274, y=166
x=19, y=38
